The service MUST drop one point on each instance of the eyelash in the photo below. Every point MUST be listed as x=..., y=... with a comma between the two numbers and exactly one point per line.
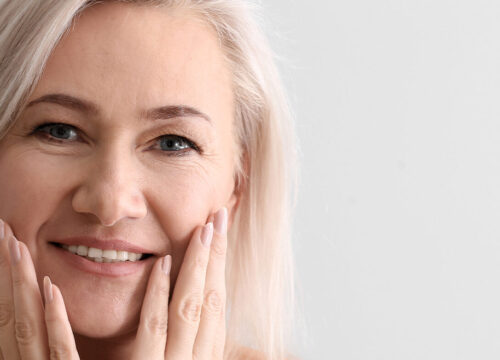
x=37, y=129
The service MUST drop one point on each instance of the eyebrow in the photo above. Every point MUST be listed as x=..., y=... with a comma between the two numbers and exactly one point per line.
x=160, y=113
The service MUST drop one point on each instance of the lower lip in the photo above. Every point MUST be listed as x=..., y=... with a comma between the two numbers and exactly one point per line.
x=104, y=269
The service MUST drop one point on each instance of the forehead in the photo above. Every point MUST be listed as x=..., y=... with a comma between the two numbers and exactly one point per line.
x=140, y=56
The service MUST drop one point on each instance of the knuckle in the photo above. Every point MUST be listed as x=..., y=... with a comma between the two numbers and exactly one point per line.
x=17, y=280
x=6, y=313
x=157, y=325
x=163, y=291
x=199, y=263
x=190, y=308
x=213, y=302
x=19, y=277
x=219, y=248
x=59, y=352
x=25, y=332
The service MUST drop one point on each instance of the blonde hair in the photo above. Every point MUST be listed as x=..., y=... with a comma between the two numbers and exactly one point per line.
x=259, y=276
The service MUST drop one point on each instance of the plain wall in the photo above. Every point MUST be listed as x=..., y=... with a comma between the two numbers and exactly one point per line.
x=397, y=231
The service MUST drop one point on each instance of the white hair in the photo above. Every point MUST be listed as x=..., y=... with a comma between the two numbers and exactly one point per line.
x=259, y=276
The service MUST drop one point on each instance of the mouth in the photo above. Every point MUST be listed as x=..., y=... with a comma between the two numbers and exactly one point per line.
x=103, y=255
x=106, y=262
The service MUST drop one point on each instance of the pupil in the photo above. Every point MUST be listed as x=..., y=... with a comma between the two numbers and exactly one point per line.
x=60, y=131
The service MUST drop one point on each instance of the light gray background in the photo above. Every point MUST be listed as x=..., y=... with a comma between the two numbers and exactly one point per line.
x=397, y=231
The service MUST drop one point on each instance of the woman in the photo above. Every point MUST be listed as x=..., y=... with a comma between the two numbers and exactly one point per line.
x=141, y=142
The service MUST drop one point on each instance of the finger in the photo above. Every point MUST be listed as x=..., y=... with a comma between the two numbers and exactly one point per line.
x=8, y=342
x=152, y=332
x=31, y=334
x=185, y=308
x=61, y=339
x=214, y=299
x=220, y=341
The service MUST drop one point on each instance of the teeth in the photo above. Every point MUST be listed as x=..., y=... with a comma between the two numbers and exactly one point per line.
x=110, y=254
x=122, y=255
x=102, y=256
x=94, y=253
x=82, y=250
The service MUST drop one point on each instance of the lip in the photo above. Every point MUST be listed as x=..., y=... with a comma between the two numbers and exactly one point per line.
x=117, y=269
x=108, y=244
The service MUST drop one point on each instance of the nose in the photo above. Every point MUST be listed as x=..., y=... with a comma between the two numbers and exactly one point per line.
x=110, y=190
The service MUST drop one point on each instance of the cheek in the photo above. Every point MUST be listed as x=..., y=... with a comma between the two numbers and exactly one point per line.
x=184, y=197
x=30, y=186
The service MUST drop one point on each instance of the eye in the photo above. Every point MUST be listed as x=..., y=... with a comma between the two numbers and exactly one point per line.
x=57, y=131
x=169, y=144
x=175, y=143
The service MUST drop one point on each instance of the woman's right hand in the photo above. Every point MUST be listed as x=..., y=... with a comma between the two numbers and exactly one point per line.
x=27, y=330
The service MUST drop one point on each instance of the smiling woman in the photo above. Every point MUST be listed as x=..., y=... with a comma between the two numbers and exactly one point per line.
x=146, y=163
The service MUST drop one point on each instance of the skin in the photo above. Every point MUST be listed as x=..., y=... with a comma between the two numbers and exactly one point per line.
x=113, y=178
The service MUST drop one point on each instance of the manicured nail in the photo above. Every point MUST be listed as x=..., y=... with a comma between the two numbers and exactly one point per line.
x=166, y=264
x=221, y=221
x=47, y=290
x=2, y=229
x=206, y=234
x=15, y=253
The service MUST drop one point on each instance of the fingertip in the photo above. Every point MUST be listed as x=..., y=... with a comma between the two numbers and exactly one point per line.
x=47, y=290
x=56, y=292
x=220, y=222
x=14, y=250
x=207, y=234
x=166, y=264
x=211, y=218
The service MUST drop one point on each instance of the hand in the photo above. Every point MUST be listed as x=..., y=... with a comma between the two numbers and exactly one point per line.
x=196, y=315
x=195, y=318
x=24, y=324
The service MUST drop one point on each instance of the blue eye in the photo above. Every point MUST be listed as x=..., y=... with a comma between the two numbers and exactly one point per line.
x=59, y=131
x=175, y=143
x=169, y=144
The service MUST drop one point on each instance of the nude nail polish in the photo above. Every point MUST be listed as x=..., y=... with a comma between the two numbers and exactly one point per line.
x=220, y=222
x=47, y=290
x=2, y=229
x=15, y=253
x=166, y=264
x=206, y=234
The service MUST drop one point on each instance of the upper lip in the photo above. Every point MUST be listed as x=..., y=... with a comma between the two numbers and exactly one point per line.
x=104, y=244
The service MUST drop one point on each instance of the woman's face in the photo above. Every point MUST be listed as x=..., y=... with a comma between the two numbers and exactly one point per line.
x=124, y=77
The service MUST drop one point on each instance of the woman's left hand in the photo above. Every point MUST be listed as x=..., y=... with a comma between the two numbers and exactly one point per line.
x=193, y=324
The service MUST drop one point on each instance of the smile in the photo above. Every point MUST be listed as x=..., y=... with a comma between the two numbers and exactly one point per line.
x=103, y=256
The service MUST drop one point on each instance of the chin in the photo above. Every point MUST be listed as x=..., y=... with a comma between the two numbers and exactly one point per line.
x=102, y=318
x=98, y=308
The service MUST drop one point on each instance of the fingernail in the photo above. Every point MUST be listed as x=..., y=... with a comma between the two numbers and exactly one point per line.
x=15, y=254
x=221, y=221
x=166, y=264
x=47, y=290
x=206, y=234
x=2, y=229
